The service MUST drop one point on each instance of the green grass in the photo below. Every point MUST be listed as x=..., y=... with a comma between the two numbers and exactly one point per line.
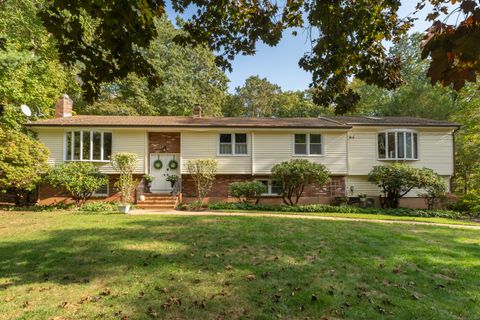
x=80, y=266
x=364, y=216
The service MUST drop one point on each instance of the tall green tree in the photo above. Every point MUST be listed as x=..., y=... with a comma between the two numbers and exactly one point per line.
x=30, y=70
x=255, y=98
x=189, y=76
x=416, y=97
x=260, y=98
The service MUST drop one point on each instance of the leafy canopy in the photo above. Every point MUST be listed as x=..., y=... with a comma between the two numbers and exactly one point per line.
x=294, y=175
x=79, y=179
x=23, y=161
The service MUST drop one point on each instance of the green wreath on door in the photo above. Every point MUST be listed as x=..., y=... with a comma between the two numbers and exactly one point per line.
x=173, y=164
x=157, y=164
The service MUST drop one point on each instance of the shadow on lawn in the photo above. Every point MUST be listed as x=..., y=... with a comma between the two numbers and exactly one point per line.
x=240, y=267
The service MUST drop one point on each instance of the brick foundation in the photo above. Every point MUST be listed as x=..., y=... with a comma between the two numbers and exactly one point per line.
x=220, y=190
x=48, y=195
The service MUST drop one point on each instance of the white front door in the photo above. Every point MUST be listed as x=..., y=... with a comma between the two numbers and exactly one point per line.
x=160, y=183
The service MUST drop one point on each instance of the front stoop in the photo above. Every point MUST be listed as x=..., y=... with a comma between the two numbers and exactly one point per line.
x=157, y=201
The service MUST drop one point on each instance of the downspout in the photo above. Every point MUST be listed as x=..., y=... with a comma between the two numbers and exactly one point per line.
x=454, y=159
x=252, y=158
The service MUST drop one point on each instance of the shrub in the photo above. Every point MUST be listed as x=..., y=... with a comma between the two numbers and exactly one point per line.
x=295, y=174
x=79, y=179
x=203, y=173
x=247, y=190
x=469, y=204
x=397, y=179
x=124, y=163
x=321, y=208
x=99, y=206
x=23, y=161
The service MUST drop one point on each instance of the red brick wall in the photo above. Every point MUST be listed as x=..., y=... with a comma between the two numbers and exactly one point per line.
x=49, y=195
x=219, y=191
x=157, y=140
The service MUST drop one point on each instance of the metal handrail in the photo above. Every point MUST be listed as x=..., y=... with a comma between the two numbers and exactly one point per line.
x=177, y=187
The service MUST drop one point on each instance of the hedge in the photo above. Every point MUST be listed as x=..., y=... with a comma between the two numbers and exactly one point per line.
x=322, y=208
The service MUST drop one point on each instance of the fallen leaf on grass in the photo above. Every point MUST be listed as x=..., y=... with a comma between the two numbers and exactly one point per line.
x=250, y=277
x=229, y=267
x=105, y=292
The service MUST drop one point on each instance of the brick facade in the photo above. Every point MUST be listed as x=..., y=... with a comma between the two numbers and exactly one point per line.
x=158, y=140
x=219, y=192
x=48, y=195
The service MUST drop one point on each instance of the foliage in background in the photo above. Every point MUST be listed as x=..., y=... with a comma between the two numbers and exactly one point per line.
x=248, y=190
x=23, y=161
x=469, y=204
x=189, y=76
x=203, y=172
x=30, y=70
x=398, y=179
x=294, y=175
x=260, y=98
x=79, y=179
x=416, y=97
x=124, y=163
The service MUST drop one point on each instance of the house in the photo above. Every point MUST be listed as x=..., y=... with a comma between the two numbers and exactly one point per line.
x=247, y=149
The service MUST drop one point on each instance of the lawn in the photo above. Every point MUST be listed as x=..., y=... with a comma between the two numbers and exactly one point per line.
x=77, y=266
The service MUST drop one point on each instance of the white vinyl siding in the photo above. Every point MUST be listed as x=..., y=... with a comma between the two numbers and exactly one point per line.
x=271, y=148
x=204, y=145
x=361, y=185
x=123, y=140
x=435, y=151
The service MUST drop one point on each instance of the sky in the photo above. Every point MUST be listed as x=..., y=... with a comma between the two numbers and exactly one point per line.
x=279, y=64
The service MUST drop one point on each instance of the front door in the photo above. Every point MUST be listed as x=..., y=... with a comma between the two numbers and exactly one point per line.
x=160, y=168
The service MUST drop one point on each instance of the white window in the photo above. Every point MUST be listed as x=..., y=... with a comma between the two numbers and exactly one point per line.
x=101, y=192
x=232, y=144
x=274, y=188
x=84, y=145
x=307, y=144
x=397, y=145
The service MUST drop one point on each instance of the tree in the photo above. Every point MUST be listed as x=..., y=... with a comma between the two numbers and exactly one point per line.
x=256, y=97
x=23, y=162
x=247, y=190
x=107, y=40
x=189, y=76
x=416, y=97
x=398, y=179
x=203, y=172
x=467, y=141
x=79, y=179
x=30, y=70
x=294, y=175
x=125, y=163
x=260, y=98
x=454, y=49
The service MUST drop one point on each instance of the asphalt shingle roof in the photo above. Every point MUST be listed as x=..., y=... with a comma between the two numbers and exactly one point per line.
x=332, y=122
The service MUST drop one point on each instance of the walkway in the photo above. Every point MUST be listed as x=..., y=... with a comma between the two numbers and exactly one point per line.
x=294, y=216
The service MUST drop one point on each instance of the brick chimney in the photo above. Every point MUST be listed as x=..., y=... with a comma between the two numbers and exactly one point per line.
x=197, y=111
x=63, y=107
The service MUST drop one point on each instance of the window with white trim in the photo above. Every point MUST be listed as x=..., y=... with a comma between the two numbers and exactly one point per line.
x=274, y=188
x=397, y=145
x=101, y=192
x=232, y=144
x=307, y=144
x=86, y=145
